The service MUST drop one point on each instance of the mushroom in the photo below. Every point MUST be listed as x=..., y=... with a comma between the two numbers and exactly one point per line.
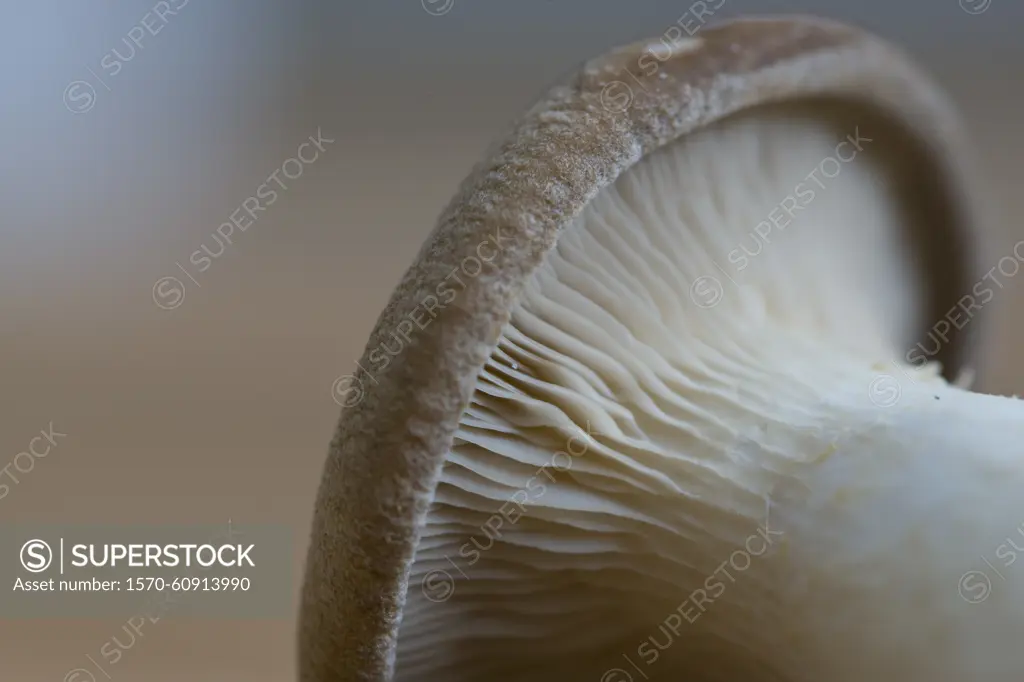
x=667, y=392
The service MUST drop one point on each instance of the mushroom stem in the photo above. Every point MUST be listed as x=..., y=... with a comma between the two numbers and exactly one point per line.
x=895, y=535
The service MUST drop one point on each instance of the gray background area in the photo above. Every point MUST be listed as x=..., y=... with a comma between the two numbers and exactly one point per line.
x=222, y=407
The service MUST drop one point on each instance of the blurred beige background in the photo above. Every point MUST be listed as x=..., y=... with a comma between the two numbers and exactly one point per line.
x=221, y=407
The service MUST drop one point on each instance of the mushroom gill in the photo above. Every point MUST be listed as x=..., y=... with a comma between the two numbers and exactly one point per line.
x=720, y=319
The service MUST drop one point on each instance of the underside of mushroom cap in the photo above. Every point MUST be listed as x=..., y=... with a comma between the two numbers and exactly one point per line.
x=610, y=320
x=664, y=370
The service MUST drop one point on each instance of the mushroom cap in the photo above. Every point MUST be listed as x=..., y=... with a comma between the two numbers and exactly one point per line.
x=398, y=425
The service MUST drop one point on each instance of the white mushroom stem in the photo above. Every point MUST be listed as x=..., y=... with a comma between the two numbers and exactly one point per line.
x=848, y=540
x=550, y=555
x=898, y=547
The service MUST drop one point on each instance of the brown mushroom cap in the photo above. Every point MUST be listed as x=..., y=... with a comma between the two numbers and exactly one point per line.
x=386, y=458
